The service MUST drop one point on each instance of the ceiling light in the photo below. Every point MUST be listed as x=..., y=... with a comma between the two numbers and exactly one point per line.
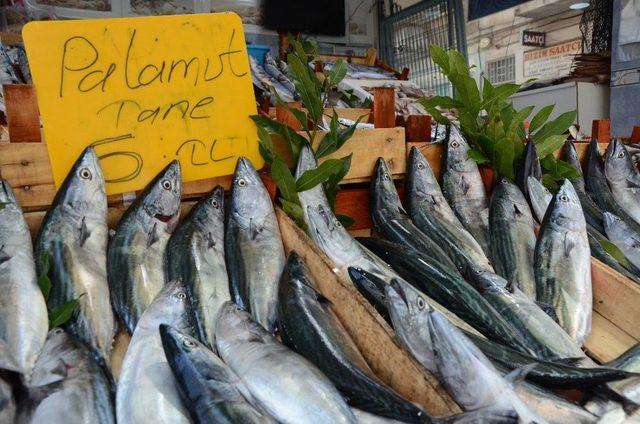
x=579, y=5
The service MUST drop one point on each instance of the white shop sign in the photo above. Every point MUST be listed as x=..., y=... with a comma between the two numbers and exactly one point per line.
x=550, y=62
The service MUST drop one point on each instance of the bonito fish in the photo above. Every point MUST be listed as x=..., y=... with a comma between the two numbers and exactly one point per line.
x=623, y=178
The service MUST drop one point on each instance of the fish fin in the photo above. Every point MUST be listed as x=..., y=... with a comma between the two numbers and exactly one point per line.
x=569, y=361
x=153, y=235
x=211, y=243
x=568, y=245
x=517, y=210
x=4, y=256
x=511, y=285
x=37, y=394
x=323, y=300
x=518, y=375
x=84, y=232
x=548, y=309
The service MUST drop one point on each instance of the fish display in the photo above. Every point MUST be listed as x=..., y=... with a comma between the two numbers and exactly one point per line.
x=253, y=250
x=563, y=263
x=73, y=237
x=195, y=255
x=627, y=240
x=23, y=312
x=135, y=257
x=623, y=178
x=539, y=198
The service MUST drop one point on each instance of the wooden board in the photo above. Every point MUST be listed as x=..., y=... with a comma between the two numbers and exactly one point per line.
x=376, y=340
x=606, y=341
x=347, y=113
x=23, y=118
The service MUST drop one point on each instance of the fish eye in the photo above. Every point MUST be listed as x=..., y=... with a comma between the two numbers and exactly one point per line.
x=338, y=223
x=621, y=154
x=58, y=331
x=454, y=144
x=564, y=198
x=214, y=203
x=242, y=182
x=420, y=165
x=181, y=295
x=386, y=177
x=189, y=343
x=166, y=184
x=85, y=173
x=421, y=303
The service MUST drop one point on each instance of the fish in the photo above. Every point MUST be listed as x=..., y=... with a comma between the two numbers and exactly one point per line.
x=597, y=187
x=135, y=257
x=23, y=312
x=598, y=252
x=563, y=263
x=629, y=360
x=463, y=188
x=468, y=375
x=539, y=198
x=285, y=385
x=513, y=240
x=448, y=289
x=147, y=390
x=431, y=213
x=392, y=222
x=210, y=390
x=484, y=415
x=67, y=385
x=73, y=237
x=253, y=246
x=195, y=255
x=310, y=328
x=627, y=240
x=570, y=155
x=529, y=167
x=7, y=402
x=580, y=374
x=271, y=68
x=547, y=339
x=623, y=178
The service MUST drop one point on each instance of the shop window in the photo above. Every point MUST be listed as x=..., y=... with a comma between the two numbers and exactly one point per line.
x=502, y=70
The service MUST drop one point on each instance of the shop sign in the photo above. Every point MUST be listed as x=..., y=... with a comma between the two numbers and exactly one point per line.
x=550, y=62
x=533, y=38
x=144, y=91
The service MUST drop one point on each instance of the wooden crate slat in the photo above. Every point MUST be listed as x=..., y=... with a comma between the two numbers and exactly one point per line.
x=376, y=340
x=25, y=164
x=23, y=118
x=606, y=341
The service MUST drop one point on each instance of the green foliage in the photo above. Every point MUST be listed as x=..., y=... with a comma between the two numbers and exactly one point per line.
x=63, y=313
x=313, y=94
x=493, y=126
x=615, y=252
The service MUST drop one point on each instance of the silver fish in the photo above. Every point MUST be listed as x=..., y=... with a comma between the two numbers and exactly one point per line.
x=136, y=251
x=512, y=238
x=67, y=385
x=539, y=197
x=195, y=255
x=254, y=251
x=147, y=391
x=287, y=386
x=563, y=263
x=627, y=240
x=623, y=178
x=74, y=236
x=23, y=312
x=463, y=187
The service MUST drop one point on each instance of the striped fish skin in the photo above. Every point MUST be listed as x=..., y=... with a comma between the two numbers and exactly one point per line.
x=629, y=360
x=431, y=213
x=310, y=328
x=147, y=391
x=563, y=264
x=529, y=167
x=513, y=240
x=254, y=251
x=462, y=186
x=23, y=311
x=74, y=236
x=68, y=385
x=623, y=178
x=211, y=391
x=195, y=255
x=598, y=252
x=136, y=252
x=284, y=384
x=539, y=198
x=570, y=156
x=392, y=222
x=623, y=237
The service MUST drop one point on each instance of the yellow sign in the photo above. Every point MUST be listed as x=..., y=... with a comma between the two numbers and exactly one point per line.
x=145, y=91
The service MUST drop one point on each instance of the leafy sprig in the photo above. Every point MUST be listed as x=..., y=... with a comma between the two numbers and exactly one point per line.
x=62, y=313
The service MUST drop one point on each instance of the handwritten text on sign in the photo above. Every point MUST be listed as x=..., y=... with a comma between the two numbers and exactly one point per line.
x=144, y=91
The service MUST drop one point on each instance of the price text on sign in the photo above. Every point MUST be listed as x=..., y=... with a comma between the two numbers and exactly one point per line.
x=144, y=91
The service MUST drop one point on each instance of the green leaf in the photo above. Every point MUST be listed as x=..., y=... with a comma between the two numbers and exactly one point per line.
x=504, y=158
x=265, y=145
x=615, y=252
x=498, y=94
x=337, y=73
x=439, y=57
x=332, y=184
x=307, y=86
x=442, y=101
x=284, y=180
x=556, y=127
x=540, y=118
x=3, y=204
x=549, y=182
x=550, y=145
x=43, y=279
x=319, y=175
x=458, y=63
x=332, y=141
x=294, y=140
x=477, y=156
x=294, y=211
x=345, y=220
x=557, y=169
x=519, y=117
x=63, y=313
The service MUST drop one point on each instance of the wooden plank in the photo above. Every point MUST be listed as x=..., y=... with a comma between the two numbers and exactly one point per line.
x=10, y=38
x=23, y=118
x=352, y=113
x=120, y=345
x=375, y=339
x=418, y=128
x=601, y=130
x=384, y=107
x=616, y=298
x=606, y=340
x=25, y=164
x=286, y=117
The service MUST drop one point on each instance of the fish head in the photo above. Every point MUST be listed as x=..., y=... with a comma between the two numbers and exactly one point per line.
x=508, y=198
x=571, y=155
x=564, y=211
x=234, y=325
x=485, y=281
x=60, y=358
x=618, y=164
x=179, y=346
x=209, y=212
x=457, y=151
x=384, y=191
x=615, y=227
x=10, y=212
x=172, y=305
x=594, y=168
x=329, y=234
x=250, y=200
x=82, y=193
x=370, y=286
x=421, y=181
x=160, y=199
